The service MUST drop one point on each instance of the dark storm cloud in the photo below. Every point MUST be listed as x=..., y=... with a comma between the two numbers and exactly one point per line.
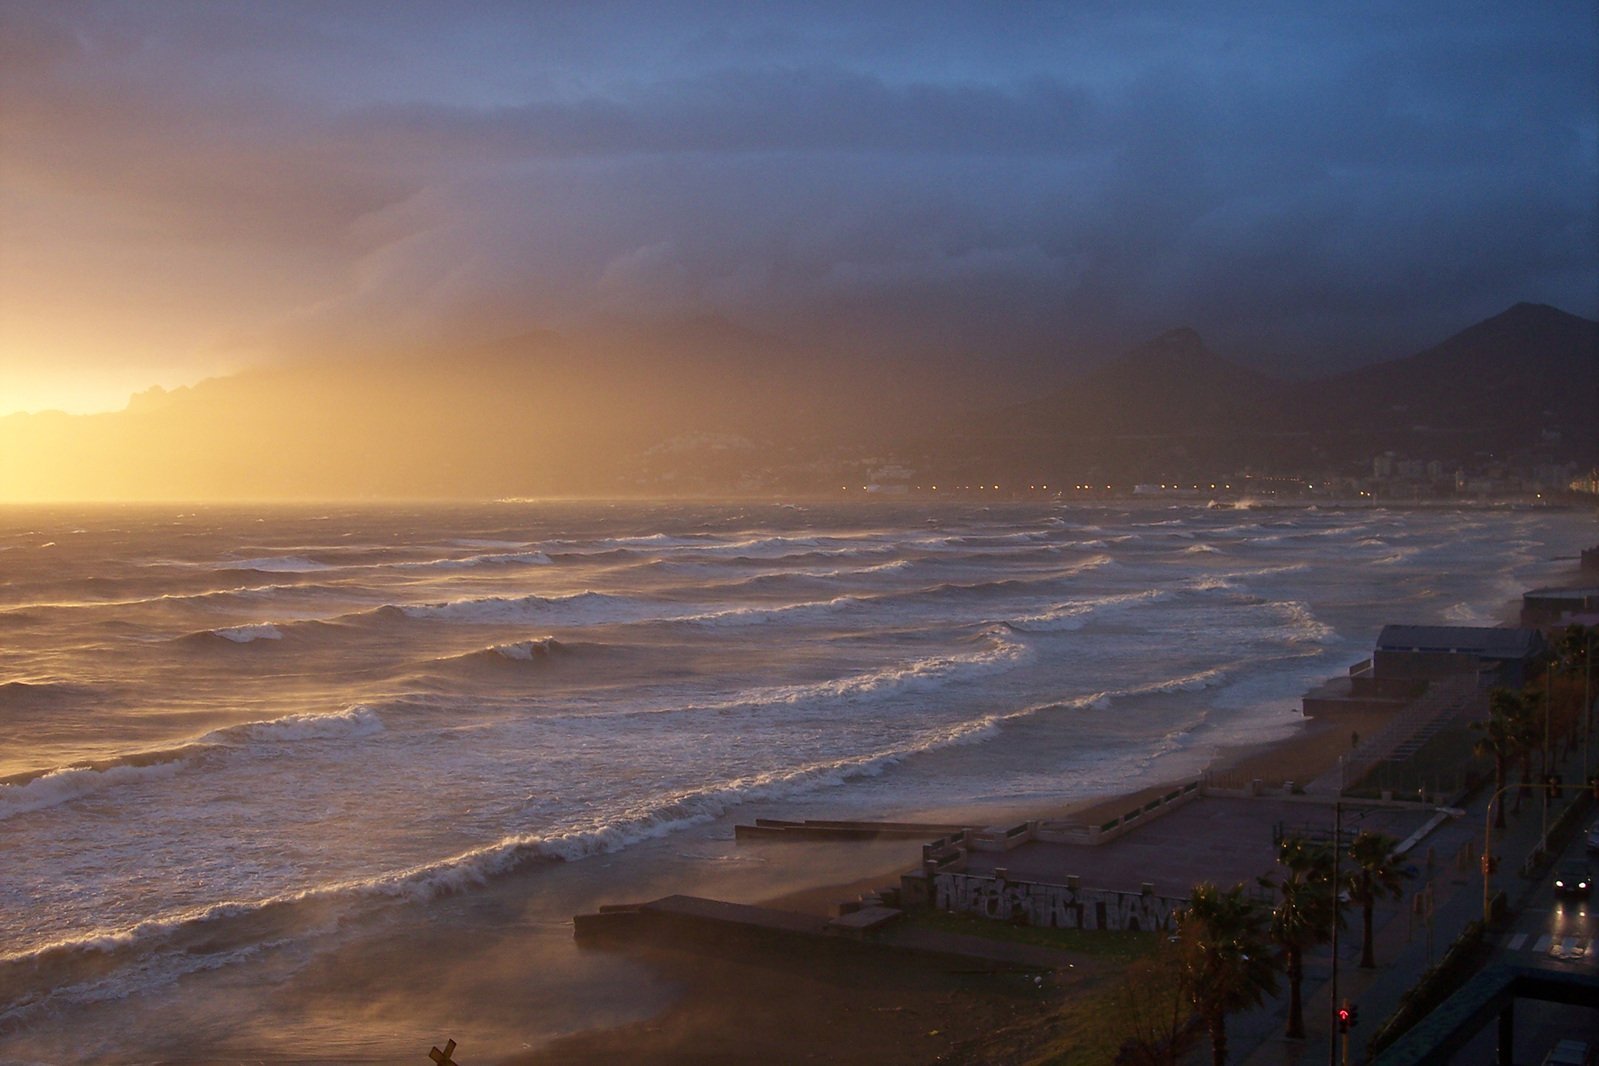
x=1032, y=179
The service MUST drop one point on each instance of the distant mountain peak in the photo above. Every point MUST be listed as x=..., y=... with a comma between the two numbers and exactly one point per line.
x=1181, y=342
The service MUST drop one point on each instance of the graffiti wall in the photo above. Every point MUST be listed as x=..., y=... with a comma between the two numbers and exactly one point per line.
x=1056, y=906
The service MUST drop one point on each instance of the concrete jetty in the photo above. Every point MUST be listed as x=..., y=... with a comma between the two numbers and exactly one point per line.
x=875, y=927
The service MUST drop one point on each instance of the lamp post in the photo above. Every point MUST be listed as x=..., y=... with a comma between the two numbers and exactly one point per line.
x=1337, y=918
x=1487, y=848
x=1337, y=915
x=1587, y=697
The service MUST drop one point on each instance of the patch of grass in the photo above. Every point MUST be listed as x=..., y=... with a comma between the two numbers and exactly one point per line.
x=1110, y=944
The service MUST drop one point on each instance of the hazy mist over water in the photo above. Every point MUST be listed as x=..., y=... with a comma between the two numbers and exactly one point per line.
x=347, y=772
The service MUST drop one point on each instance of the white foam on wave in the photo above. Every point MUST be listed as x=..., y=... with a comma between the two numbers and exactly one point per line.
x=246, y=634
x=897, y=566
x=656, y=818
x=1463, y=614
x=1075, y=615
x=69, y=783
x=151, y=974
x=920, y=675
x=817, y=610
x=578, y=608
x=352, y=722
x=1304, y=624
x=527, y=650
x=472, y=562
x=74, y=783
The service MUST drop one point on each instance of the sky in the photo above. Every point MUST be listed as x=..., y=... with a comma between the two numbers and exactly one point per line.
x=190, y=188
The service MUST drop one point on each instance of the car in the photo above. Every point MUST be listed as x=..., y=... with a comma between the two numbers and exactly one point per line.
x=1593, y=837
x=1570, y=1053
x=1573, y=880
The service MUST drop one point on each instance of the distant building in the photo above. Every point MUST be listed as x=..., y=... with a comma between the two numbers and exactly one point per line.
x=1497, y=655
x=1408, y=659
x=1560, y=607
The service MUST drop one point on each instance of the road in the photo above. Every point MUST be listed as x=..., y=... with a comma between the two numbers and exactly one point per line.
x=1551, y=933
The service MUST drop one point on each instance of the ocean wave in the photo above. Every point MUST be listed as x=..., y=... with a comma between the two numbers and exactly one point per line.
x=37, y=790
x=578, y=608
x=252, y=632
x=528, y=650
x=66, y=785
x=353, y=722
x=1464, y=614
x=1075, y=615
x=801, y=613
x=282, y=564
x=999, y=540
x=506, y=656
x=805, y=578
x=246, y=633
x=648, y=542
x=86, y=984
x=83, y=956
x=920, y=675
x=1306, y=627
x=472, y=562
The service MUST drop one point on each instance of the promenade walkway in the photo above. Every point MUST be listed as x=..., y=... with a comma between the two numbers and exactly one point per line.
x=1407, y=945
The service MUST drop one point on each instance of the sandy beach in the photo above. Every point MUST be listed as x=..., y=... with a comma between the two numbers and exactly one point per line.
x=773, y=1006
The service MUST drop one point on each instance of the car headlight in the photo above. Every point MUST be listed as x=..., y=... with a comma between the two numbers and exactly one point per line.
x=1559, y=883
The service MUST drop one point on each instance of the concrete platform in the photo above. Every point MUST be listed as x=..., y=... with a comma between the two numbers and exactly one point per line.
x=863, y=921
x=1219, y=839
x=713, y=925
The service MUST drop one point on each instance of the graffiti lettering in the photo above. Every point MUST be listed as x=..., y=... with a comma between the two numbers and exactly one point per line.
x=1054, y=906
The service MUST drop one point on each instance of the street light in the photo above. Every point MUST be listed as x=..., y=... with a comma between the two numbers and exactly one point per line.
x=1488, y=861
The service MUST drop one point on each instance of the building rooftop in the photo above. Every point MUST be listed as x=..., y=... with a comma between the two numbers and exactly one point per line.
x=1487, y=642
x=1563, y=593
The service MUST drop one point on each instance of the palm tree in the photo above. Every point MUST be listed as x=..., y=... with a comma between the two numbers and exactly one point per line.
x=1150, y=1010
x=1572, y=649
x=1503, y=738
x=1304, y=915
x=1377, y=875
x=1226, y=958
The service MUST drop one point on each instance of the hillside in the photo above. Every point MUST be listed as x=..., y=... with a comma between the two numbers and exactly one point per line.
x=708, y=409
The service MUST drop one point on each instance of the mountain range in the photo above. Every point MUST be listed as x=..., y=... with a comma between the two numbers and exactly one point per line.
x=1522, y=385
x=707, y=409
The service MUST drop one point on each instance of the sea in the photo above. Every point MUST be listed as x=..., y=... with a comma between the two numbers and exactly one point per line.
x=327, y=783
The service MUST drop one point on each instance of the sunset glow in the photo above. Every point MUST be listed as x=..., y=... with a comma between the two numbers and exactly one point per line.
x=873, y=212
x=547, y=533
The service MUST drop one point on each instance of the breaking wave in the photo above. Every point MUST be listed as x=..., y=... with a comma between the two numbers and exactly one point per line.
x=578, y=608
x=37, y=790
x=1070, y=616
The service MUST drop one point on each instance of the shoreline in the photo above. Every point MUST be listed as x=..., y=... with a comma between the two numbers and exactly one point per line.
x=1301, y=757
x=730, y=1006
x=715, y=994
